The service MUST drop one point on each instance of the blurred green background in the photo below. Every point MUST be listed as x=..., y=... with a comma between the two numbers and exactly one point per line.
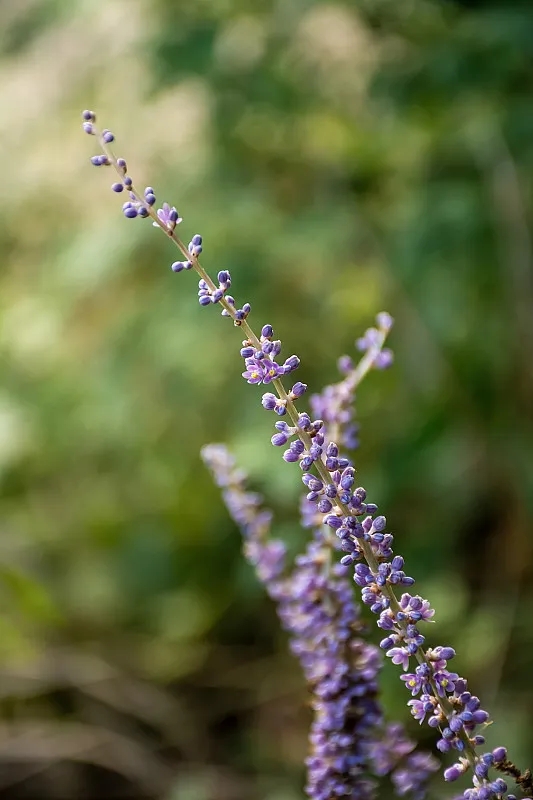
x=340, y=158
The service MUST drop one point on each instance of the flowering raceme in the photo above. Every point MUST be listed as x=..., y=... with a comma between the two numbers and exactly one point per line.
x=349, y=740
x=350, y=744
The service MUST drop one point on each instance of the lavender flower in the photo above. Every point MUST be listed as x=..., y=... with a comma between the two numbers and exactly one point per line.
x=438, y=694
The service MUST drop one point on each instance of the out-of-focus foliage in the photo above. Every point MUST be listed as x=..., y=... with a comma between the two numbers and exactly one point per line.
x=340, y=158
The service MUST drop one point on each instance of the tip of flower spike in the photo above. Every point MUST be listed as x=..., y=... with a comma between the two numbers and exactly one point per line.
x=89, y=116
x=384, y=321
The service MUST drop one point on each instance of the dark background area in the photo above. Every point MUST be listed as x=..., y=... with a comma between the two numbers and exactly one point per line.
x=340, y=158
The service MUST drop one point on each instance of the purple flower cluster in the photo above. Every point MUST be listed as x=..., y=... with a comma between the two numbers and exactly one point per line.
x=337, y=503
x=261, y=366
x=333, y=503
x=348, y=739
x=335, y=404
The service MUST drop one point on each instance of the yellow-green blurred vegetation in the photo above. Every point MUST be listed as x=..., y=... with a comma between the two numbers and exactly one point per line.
x=340, y=158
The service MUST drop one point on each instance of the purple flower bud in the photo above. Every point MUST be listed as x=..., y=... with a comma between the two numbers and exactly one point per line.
x=456, y=723
x=279, y=439
x=454, y=772
x=291, y=363
x=298, y=389
x=267, y=331
x=367, y=524
x=444, y=746
x=269, y=401
x=89, y=116
x=118, y=187
x=397, y=561
x=177, y=266
x=345, y=364
x=384, y=321
x=446, y=653
x=499, y=753
x=384, y=359
x=130, y=212
x=291, y=457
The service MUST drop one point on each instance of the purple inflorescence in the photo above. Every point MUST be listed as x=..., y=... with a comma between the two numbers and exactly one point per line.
x=262, y=367
x=316, y=606
x=441, y=695
x=335, y=404
x=313, y=601
x=338, y=504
